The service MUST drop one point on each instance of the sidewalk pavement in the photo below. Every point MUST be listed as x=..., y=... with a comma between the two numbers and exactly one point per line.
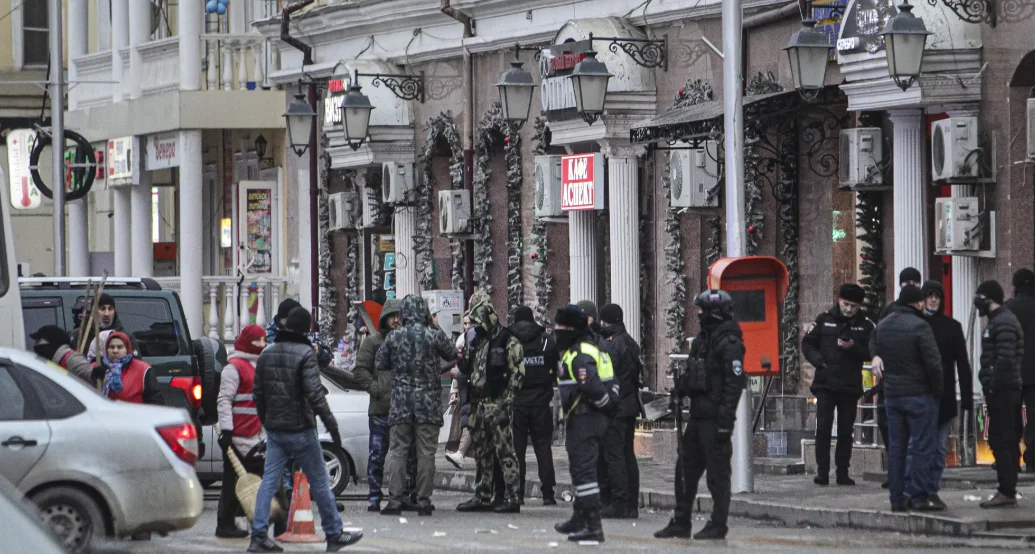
x=794, y=501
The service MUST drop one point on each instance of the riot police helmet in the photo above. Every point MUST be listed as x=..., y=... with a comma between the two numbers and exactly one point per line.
x=715, y=304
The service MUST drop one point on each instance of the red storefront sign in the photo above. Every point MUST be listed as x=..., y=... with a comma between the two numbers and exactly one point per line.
x=565, y=61
x=582, y=182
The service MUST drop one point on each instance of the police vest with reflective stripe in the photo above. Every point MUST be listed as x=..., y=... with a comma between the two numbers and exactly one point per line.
x=246, y=416
x=605, y=371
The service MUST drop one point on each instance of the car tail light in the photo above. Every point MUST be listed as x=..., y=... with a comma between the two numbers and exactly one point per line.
x=191, y=387
x=182, y=439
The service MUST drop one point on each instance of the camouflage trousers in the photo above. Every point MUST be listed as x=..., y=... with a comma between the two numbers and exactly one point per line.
x=379, y=434
x=492, y=437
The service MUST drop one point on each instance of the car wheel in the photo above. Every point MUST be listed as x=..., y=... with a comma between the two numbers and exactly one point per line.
x=73, y=516
x=338, y=468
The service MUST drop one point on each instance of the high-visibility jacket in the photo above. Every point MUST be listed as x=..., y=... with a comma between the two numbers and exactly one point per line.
x=246, y=416
x=587, y=376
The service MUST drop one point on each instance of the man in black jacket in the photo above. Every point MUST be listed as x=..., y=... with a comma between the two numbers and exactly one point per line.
x=1023, y=306
x=623, y=473
x=912, y=388
x=952, y=345
x=288, y=396
x=1002, y=349
x=908, y=276
x=837, y=345
x=532, y=414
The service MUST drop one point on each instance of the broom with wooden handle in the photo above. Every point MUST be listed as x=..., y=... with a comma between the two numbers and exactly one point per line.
x=247, y=489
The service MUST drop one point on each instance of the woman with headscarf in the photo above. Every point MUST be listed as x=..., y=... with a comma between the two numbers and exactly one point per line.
x=124, y=376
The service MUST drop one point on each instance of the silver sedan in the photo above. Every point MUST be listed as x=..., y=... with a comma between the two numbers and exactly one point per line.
x=94, y=467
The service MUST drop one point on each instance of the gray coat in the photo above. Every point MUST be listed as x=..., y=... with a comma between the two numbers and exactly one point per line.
x=912, y=363
x=76, y=364
x=288, y=391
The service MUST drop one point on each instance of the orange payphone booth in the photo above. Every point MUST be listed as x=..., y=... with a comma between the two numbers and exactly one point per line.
x=757, y=284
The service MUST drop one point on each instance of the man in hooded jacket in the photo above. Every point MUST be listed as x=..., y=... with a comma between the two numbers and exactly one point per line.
x=495, y=363
x=532, y=414
x=1023, y=306
x=53, y=343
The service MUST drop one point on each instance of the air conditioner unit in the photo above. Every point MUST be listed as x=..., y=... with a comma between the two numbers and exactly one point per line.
x=694, y=177
x=344, y=210
x=958, y=224
x=396, y=182
x=1031, y=129
x=861, y=153
x=454, y=212
x=954, y=144
x=548, y=186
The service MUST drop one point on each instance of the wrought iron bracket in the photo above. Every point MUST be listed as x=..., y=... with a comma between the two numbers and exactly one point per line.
x=405, y=87
x=971, y=11
x=537, y=48
x=646, y=52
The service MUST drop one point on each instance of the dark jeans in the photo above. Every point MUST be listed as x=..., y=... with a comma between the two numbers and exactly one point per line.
x=1002, y=438
x=623, y=473
x=704, y=452
x=912, y=431
x=846, y=405
x=1028, y=398
x=537, y=422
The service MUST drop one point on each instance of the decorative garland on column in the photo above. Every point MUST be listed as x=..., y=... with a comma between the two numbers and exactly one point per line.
x=382, y=213
x=763, y=83
x=328, y=308
x=714, y=251
x=537, y=239
x=869, y=215
x=790, y=224
x=441, y=126
x=351, y=340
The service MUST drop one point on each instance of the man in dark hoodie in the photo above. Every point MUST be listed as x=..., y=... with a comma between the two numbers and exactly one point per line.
x=532, y=414
x=952, y=345
x=837, y=345
x=912, y=388
x=1023, y=306
x=623, y=473
x=1002, y=352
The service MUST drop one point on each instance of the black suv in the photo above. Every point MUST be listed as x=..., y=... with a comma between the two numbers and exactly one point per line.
x=153, y=317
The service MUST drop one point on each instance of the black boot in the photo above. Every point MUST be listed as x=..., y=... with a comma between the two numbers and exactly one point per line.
x=712, y=531
x=594, y=530
x=393, y=508
x=474, y=505
x=231, y=533
x=343, y=539
x=262, y=543
x=844, y=480
x=576, y=523
x=674, y=530
x=508, y=508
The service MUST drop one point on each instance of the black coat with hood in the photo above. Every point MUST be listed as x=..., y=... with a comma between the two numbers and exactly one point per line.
x=838, y=370
x=287, y=389
x=1002, y=349
x=952, y=345
x=541, y=360
x=625, y=357
x=1023, y=306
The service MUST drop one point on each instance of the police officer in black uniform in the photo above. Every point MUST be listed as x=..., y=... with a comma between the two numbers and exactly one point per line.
x=714, y=380
x=589, y=394
x=532, y=415
x=837, y=344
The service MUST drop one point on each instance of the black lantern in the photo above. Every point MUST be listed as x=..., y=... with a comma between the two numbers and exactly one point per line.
x=516, y=88
x=355, y=115
x=300, y=118
x=260, y=146
x=589, y=79
x=809, y=54
x=905, y=36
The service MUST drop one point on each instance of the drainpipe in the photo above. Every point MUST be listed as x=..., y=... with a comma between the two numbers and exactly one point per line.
x=772, y=16
x=314, y=158
x=468, y=136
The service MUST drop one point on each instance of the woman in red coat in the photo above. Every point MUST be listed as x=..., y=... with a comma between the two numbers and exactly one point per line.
x=126, y=377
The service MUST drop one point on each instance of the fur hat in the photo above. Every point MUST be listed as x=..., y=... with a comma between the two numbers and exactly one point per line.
x=571, y=316
x=852, y=293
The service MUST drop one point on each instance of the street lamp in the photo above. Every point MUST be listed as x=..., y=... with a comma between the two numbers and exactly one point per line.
x=300, y=120
x=589, y=79
x=355, y=115
x=809, y=52
x=905, y=36
x=516, y=88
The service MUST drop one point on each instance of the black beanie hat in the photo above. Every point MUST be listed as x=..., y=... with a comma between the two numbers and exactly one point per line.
x=910, y=274
x=911, y=294
x=1024, y=278
x=992, y=290
x=852, y=293
x=299, y=320
x=285, y=308
x=524, y=313
x=52, y=334
x=589, y=308
x=611, y=313
x=106, y=300
x=571, y=316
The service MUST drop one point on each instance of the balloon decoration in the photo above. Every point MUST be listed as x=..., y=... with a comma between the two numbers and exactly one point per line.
x=216, y=6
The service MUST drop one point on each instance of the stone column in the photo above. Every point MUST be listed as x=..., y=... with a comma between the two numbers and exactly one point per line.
x=78, y=239
x=189, y=30
x=405, y=227
x=119, y=40
x=122, y=231
x=139, y=33
x=623, y=180
x=910, y=231
x=192, y=229
x=142, y=246
x=78, y=35
x=582, y=248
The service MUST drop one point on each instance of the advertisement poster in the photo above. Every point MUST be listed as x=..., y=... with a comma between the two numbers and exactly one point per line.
x=259, y=219
x=24, y=194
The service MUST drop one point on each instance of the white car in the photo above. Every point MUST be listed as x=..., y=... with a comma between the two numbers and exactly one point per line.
x=349, y=409
x=93, y=466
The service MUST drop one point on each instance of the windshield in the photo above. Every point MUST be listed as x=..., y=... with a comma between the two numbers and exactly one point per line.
x=150, y=322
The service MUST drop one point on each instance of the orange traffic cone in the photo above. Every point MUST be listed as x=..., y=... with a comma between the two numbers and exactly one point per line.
x=301, y=525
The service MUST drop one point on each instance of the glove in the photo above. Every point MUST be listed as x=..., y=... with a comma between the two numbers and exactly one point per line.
x=226, y=440
x=723, y=436
x=98, y=372
x=335, y=437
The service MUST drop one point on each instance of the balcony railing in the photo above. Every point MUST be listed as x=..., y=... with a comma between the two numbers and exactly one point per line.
x=229, y=305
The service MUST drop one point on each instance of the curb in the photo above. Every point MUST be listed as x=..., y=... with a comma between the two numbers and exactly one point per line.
x=789, y=515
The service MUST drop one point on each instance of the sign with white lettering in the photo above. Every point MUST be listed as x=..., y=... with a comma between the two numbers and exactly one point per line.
x=558, y=93
x=24, y=194
x=163, y=151
x=861, y=25
x=123, y=161
x=582, y=182
x=337, y=88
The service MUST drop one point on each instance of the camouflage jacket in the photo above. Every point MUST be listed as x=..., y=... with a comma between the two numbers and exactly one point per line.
x=495, y=360
x=413, y=353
